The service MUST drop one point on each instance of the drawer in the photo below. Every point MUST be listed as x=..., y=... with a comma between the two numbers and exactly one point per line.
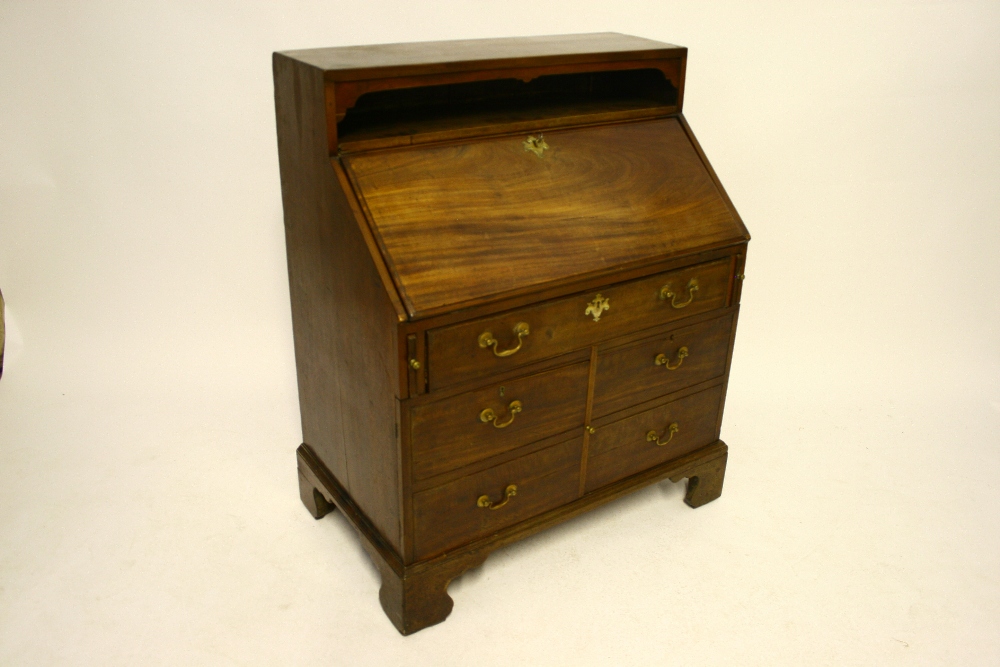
x=501, y=342
x=458, y=430
x=657, y=366
x=626, y=447
x=459, y=512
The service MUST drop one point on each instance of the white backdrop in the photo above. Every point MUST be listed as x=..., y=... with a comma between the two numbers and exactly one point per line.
x=148, y=410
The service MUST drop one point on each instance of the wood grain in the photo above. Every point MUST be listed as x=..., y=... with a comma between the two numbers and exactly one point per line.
x=562, y=288
x=436, y=225
x=557, y=327
x=349, y=63
x=620, y=449
x=448, y=516
x=450, y=434
x=343, y=318
x=507, y=220
x=628, y=374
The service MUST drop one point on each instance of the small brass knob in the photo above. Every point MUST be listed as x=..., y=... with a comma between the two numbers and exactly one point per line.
x=414, y=364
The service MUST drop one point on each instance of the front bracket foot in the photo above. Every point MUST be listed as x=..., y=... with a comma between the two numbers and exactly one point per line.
x=419, y=598
x=704, y=480
x=311, y=497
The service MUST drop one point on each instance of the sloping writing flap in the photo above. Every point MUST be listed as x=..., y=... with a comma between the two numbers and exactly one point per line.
x=465, y=222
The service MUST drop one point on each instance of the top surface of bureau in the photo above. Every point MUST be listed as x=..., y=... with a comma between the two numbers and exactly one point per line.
x=466, y=221
x=412, y=58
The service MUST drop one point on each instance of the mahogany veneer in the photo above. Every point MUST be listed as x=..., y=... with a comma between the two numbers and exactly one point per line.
x=515, y=280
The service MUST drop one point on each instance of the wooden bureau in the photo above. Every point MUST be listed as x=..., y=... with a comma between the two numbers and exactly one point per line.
x=514, y=282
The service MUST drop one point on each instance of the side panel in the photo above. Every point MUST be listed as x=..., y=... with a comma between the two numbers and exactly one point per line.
x=343, y=320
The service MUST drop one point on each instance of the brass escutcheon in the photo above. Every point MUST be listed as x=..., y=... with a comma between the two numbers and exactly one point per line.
x=536, y=145
x=488, y=415
x=508, y=493
x=664, y=360
x=486, y=339
x=667, y=293
x=653, y=437
x=597, y=306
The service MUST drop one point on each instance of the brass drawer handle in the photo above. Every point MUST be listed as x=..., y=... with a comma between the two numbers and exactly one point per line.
x=664, y=360
x=653, y=437
x=487, y=504
x=521, y=330
x=667, y=293
x=488, y=415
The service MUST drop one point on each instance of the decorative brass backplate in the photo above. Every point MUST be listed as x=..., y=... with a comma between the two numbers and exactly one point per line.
x=536, y=145
x=597, y=306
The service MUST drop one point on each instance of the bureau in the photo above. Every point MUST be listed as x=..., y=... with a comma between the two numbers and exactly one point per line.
x=514, y=280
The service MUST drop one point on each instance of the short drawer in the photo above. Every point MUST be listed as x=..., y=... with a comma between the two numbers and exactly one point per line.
x=501, y=342
x=657, y=366
x=634, y=444
x=469, y=508
x=476, y=425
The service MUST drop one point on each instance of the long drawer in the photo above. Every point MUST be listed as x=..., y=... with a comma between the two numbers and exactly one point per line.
x=474, y=506
x=502, y=342
x=476, y=425
x=656, y=366
x=639, y=442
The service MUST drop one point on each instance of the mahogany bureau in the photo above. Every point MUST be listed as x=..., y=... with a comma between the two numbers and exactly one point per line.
x=514, y=282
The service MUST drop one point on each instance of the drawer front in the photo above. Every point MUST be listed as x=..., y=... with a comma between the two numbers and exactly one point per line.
x=476, y=425
x=456, y=513
x=654, y=367
x=502, y=342
x=634, y=444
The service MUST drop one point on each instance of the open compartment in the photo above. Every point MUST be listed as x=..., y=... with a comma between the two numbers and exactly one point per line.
x=408, y=115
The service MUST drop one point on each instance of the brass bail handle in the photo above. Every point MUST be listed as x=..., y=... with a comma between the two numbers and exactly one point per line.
x=486, y=339
x=652, y=436
x=508, y=493
x=488, y=415
x=664, y=360
x=666, y=292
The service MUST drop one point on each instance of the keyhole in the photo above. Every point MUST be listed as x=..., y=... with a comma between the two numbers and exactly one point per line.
x=671, y=336
x=501, y=391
